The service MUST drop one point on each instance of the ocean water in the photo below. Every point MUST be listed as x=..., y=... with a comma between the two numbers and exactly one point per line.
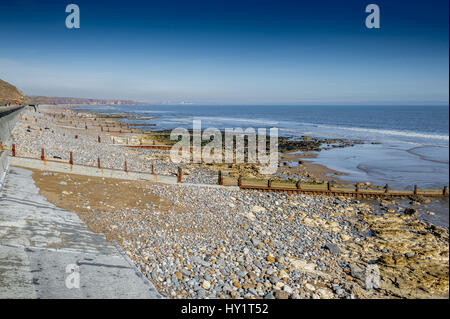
x=404, y=145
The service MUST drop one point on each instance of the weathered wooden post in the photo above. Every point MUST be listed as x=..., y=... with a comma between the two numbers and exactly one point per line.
x=220, y=181
x=445, y=191
x=269, y=183
x=240, y=181
x=415, y=189
x=329, y=186
x=298, y=185
x=153, y=169
x=42, y=154
x=179, y=175
x=13, y=150
x=98, y=163
x=71, y=159
x=99, y=139
x=125, y=167
x=386, y=188
x=356, y=188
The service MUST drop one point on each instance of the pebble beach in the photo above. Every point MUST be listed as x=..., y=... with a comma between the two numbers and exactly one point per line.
x=220, y=242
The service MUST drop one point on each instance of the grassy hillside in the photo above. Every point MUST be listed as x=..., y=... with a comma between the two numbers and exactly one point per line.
x=9, y=93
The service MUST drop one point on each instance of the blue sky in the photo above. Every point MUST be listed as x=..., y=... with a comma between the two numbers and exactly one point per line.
x=229, y=52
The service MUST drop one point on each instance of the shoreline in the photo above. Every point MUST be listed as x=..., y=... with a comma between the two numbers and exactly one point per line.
x=221, y=243
x=311, y=171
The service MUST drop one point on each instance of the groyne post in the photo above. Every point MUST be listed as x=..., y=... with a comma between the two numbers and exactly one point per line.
x=220, y=180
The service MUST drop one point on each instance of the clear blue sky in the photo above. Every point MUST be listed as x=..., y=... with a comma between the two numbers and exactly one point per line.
x=229, y=52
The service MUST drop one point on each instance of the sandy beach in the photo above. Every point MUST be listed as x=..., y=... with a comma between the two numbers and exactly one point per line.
x=204, y=242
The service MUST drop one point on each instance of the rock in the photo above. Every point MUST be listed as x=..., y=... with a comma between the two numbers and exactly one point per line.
x=206, y=285
x=356, y=271
x=270, y=259
x=241, y=273
x=310, y=287
x=179, y=276
x=236, y=284
x=201, y=293
x=410, y=212
x=288, y=289
x=325, y=293
x=258, y=209
x=281, y=294
x=334, y=249
x=200, y=261
x=269, y=296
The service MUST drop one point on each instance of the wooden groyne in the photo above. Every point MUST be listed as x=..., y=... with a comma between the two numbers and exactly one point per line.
x=330, y=189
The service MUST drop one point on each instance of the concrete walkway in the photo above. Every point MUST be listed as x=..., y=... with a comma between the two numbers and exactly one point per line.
x=40, y=244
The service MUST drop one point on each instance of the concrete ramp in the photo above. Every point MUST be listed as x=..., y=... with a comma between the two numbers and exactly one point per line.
x=44, y=250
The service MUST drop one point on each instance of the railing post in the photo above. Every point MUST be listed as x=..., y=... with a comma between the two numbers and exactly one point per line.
x=240, y=181
x=445, y=191
x=98, y=162
x=71, y=159
x=415, y=189
x=220, y=181
x=42, y=154
x=13, y=150
x=125, y=166
x=179, y=175
x=386, y=188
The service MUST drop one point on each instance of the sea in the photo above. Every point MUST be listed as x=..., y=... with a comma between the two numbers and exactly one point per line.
x=403, y=145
